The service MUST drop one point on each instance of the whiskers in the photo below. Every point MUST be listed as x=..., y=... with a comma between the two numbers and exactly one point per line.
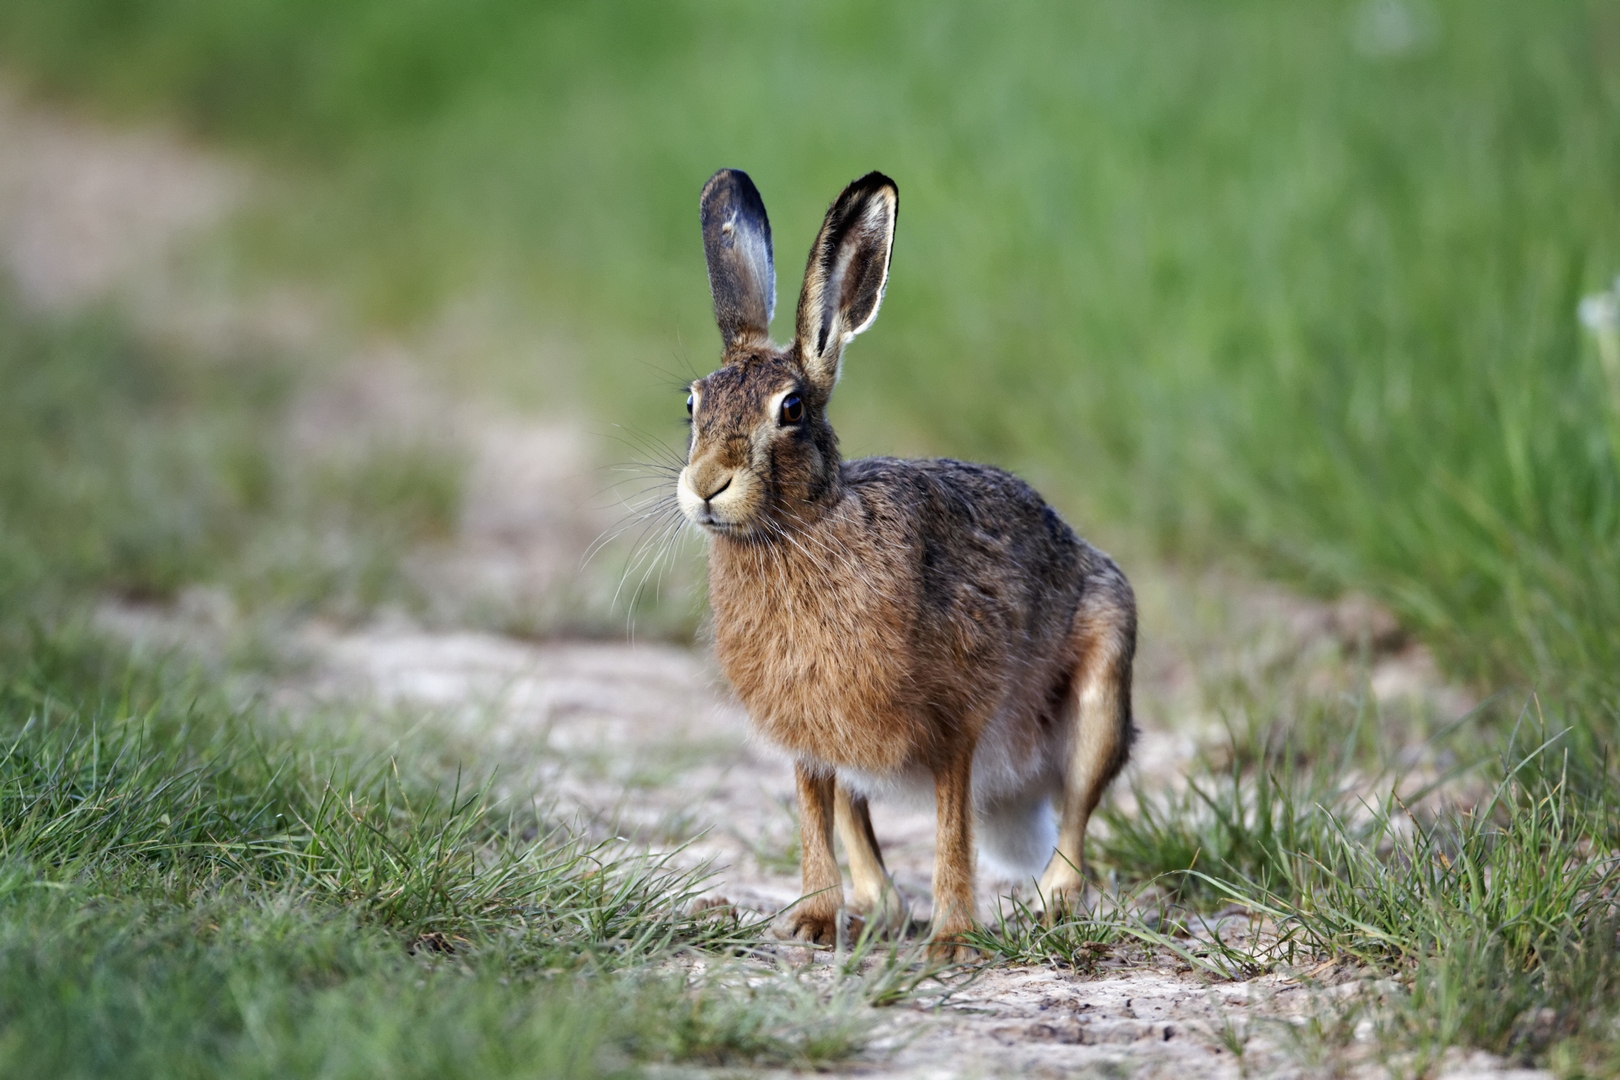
x=652, y=521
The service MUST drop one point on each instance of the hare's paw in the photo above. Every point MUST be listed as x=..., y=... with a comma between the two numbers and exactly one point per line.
x=947, y=942
x=813, y=927
x=1060, y=905
x=1061, y=892
x=886, y=912
x=952, y=949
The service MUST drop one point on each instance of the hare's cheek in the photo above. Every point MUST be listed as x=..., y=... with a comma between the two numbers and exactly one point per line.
x=763, y=448
x=737, y=503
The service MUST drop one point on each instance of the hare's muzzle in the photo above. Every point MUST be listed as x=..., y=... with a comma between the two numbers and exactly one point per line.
x=709, y=495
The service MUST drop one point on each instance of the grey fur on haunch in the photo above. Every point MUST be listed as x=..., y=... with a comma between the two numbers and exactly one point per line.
x=742, y=268
x=928, y=629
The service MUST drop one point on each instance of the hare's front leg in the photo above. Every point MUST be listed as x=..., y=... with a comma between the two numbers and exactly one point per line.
x=875, y=897
x=816, y=918
x=953, y=856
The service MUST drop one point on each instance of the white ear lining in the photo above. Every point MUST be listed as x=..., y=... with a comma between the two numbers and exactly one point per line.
x=880, y=216
x=758, y=254
x=877, y=217
x=833, y=288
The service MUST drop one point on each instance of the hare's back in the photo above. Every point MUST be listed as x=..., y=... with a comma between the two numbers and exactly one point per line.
x=987, y=550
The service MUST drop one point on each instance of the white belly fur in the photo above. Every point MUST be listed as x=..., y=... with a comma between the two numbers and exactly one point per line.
x=1016, y=828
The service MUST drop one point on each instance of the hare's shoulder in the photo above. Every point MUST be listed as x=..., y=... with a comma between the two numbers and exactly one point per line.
x=978, y=537
x=943, y=497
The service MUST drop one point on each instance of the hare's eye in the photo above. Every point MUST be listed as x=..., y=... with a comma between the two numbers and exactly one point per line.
x=688, y=404
x=792, y=409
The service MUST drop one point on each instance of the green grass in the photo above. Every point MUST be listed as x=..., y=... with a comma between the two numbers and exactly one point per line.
x=1294, y=279
x=1496, y=915
x=1500, y=917
x=98, y=486
x=135, y=470
x=190, y=890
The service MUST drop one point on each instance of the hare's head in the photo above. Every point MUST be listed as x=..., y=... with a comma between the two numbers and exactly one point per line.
x=762, y=453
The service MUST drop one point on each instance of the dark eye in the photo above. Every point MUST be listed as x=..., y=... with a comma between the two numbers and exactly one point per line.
x=792, y=409
x=688, y=404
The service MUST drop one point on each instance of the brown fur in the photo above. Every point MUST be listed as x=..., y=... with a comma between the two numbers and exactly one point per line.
x=883, y=619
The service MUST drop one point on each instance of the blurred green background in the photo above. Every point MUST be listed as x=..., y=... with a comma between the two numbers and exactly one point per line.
x=1291, y=282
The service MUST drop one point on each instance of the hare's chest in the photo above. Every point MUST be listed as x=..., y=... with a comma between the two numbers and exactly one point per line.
x=822, y=667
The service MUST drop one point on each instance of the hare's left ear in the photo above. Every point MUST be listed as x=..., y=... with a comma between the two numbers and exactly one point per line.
x=849, y=268
x=742, y=270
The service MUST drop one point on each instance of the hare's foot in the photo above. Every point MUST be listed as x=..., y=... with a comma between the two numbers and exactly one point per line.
x=950, y=948
x=1060, y=892
x=886, y=911
x=813, y=926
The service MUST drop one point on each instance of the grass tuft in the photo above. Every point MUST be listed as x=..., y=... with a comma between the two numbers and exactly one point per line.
x=188, y=888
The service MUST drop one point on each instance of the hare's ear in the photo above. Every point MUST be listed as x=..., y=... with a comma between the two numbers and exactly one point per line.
x=849, y=267
x=742, y=271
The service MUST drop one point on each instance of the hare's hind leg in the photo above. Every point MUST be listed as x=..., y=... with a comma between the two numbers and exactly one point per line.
x=875, y=895
x=1099, y=715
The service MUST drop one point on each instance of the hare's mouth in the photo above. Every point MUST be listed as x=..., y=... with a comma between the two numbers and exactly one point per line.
x=720, y=526
x=711, y=523
x=702, y=514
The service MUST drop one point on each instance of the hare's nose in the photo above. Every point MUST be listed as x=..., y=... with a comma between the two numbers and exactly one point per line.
x=725, y=483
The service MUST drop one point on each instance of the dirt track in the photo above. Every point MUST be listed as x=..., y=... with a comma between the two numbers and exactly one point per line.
x=637, y=742
x=640, y=740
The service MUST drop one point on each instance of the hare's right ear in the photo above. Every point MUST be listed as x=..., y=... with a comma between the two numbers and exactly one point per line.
x=742, y=272
x=849, y=268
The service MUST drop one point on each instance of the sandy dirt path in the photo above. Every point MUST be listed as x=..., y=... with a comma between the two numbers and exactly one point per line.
x=643, y=742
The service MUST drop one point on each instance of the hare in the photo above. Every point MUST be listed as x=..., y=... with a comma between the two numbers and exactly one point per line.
x=896, y=627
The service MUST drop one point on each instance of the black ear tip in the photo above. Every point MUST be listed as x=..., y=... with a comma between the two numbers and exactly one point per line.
x=868, y=186
x=874, y=181
x=731, y=186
